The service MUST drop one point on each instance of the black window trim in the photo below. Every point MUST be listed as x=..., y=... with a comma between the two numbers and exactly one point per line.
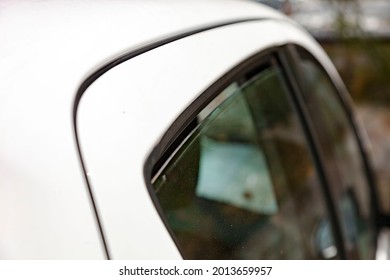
x=290, y=64
x=184, y=124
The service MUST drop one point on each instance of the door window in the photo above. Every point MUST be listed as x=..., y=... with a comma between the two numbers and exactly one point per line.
x=243, y=184
x=342, y=158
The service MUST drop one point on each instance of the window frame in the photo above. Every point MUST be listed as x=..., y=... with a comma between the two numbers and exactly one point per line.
x=184, y=124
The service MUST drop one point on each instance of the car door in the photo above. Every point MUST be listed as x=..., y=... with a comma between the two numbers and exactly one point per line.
x=201, y=148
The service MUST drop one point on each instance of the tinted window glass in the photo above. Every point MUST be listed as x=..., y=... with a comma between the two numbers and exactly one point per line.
x=342, y=158
x=243, y=185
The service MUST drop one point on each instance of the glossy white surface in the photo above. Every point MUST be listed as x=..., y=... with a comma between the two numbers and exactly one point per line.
x=124, y=113
x=47, y=49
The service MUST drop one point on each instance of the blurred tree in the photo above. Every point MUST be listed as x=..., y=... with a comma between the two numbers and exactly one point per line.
x=362, y=59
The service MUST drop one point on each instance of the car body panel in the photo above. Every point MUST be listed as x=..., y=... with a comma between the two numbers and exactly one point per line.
x=48, y=49
x=123, y=114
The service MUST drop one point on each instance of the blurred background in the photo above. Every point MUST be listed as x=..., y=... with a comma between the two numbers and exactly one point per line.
x=356, y=36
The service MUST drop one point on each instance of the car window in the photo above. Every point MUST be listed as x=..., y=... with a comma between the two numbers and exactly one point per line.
x=243, y=185
x=342, y=158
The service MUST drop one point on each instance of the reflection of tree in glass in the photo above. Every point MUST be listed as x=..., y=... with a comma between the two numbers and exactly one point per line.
x=266, y=95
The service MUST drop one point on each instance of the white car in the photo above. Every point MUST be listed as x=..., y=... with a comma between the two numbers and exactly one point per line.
x=176, y=129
